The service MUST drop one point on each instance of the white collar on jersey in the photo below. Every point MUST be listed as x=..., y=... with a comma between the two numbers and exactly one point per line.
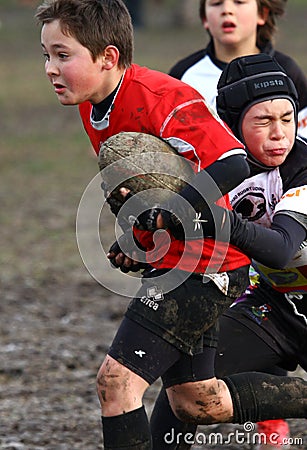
x=104, y=122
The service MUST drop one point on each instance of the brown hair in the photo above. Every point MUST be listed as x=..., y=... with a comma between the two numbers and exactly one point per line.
x=266, y=32
x=94, y=23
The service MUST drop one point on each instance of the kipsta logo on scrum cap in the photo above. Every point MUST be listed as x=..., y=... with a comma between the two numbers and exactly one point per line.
x=269, y=83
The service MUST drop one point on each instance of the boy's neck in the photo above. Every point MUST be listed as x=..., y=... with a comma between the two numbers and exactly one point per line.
x=110, y=83
x=228, y=53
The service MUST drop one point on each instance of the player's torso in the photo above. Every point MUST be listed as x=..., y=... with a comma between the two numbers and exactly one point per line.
x=157, y=104
x=258, y=198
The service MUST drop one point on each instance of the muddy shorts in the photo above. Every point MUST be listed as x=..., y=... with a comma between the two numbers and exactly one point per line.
x=277, y=319
x=151, y=357
x=181, y=316
x=174, y=325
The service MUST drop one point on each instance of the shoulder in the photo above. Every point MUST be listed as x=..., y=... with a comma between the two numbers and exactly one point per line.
x=155, y=84
x=290, y=66
x=288, y=63
x=184, y=64
x=295, y=72
x=142, y=81
x=157, y=94
x=149, y=77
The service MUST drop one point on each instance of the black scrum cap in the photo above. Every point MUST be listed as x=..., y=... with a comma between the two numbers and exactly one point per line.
x=248, y=80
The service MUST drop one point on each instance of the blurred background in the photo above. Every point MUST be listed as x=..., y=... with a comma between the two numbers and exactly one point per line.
x=56, y=322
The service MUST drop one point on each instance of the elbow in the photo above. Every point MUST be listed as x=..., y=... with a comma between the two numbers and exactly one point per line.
x=281, y=265
x=278, y=262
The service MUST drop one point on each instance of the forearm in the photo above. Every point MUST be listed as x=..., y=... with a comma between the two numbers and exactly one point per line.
x=273, y=247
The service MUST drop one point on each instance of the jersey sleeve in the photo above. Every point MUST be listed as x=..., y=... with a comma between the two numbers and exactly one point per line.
x=275, y=246
x=195, y=130
x=294, y=204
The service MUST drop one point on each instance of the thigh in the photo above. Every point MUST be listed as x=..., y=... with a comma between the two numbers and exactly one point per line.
x=273, y=326
x=241, y=350
x=142, y=351
x=151, y=357
x=190, y=368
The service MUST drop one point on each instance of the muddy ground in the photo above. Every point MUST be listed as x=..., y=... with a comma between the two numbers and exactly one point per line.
x=56, y=321
x=53, y=338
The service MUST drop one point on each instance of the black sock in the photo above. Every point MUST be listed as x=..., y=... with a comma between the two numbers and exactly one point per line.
x=168, y=432
x=127, y=431
x=259, y=396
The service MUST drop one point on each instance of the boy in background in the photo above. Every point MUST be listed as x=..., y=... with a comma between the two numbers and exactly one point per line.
x=239, y=29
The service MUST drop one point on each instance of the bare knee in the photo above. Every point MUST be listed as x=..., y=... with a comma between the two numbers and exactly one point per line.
x=204, y=402
x=119, y=389
x=109, y=379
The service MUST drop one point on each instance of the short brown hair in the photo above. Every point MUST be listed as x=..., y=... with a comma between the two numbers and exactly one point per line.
x=94, y=23
x=266, y=32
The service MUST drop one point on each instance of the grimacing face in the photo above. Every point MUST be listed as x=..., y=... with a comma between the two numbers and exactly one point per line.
x=268, y=130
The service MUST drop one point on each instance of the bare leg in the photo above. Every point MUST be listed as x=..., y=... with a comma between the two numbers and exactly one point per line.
x=124, y=419
x=239, y=398
x=206, y=402
x=119, y=389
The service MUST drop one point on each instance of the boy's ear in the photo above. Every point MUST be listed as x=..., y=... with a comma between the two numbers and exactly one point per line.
x=263, y=15
x=205, y=23
x=109, y=57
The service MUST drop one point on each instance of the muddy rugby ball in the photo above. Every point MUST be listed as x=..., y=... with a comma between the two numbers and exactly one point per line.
x=142, y=162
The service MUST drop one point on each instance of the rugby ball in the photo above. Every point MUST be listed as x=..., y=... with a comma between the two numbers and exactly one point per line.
x=142, y=162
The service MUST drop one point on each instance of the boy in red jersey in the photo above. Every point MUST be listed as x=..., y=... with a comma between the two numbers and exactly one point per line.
x=88, y=49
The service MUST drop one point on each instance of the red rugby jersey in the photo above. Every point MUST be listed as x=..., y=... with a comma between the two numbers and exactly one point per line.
x=152, y=102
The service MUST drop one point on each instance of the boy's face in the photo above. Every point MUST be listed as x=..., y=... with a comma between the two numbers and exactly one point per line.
x=268, y=129
x=232, y=21
x=70, y=67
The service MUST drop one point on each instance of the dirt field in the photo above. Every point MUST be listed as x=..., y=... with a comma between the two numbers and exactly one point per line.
x=56, y=321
